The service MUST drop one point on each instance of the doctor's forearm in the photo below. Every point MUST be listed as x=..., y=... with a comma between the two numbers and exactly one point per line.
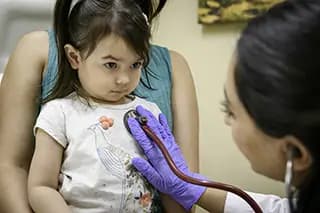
x=13, y=187
x=213, y=200
x=170, y=205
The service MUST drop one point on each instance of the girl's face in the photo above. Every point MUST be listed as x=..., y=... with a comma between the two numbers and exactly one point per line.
x=111, y=72
x=265, y=153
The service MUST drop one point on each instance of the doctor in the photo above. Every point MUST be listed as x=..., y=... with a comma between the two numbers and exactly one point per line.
x=272, y=104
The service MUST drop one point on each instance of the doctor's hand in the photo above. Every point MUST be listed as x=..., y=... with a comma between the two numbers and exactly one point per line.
x=156, y=170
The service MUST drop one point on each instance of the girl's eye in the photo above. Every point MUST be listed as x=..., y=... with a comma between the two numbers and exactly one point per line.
x=111, y=65
x=226, y=109
x=136, y=65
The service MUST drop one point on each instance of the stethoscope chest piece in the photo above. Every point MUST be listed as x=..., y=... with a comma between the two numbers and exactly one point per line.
x=133, y=114
x=130, y=114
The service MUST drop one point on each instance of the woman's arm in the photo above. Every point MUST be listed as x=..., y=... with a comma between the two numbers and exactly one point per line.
x=213, y=200
x=19, y=94
x=185, y=111
x=44, y=175
x=185, y=117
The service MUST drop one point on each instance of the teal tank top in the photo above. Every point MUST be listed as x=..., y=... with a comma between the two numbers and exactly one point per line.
x=159, y=79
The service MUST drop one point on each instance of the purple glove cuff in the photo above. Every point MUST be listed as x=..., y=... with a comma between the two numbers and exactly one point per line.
x=192, y=193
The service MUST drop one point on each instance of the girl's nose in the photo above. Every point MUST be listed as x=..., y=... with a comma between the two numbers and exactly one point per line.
x=122, y=78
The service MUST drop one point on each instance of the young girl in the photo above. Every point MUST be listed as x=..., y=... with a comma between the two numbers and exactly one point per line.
x=82, y=159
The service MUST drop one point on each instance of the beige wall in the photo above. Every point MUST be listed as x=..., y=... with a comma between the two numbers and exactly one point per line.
x=208, y=51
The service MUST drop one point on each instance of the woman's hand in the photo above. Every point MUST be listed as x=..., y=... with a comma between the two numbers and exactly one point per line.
x=156, y=170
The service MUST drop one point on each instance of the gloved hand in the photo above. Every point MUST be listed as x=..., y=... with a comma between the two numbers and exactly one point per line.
x=156, y=170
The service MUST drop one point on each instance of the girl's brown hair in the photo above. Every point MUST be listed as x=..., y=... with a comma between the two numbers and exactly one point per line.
x=88, y=21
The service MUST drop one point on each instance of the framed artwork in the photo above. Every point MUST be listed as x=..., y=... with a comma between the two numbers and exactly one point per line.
x=215, y=11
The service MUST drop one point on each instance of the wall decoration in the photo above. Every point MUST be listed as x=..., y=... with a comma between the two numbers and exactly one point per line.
x=215, y=11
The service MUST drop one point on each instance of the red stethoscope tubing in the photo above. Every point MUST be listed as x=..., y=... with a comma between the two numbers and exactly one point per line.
x=196, y=181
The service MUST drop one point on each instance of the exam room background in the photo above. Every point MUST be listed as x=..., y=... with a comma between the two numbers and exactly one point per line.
x=208, y=50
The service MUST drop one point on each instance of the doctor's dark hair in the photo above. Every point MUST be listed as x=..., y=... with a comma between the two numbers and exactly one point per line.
x=88, y=21
x=277, y=77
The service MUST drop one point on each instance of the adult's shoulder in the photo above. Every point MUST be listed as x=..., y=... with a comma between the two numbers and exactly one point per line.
x=27, y=61
x=176, y=55
x=178, y=62
x=37, y=42
x=33, y=46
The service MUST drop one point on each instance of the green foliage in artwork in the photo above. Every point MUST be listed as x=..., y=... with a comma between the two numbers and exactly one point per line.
x=213, y=11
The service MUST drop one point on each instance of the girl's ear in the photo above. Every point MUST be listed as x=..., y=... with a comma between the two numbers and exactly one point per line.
x=73, y=56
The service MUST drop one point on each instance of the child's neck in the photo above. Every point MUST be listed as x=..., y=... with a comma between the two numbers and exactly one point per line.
x=124, y=100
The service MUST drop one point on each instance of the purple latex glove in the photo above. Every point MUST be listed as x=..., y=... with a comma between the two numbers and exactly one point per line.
x=156, y=170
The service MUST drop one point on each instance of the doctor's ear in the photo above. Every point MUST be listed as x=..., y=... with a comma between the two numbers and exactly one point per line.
x=73, y=56
x=301, y=157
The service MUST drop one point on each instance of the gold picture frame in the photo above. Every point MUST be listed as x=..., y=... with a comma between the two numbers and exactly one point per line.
x=215, y=11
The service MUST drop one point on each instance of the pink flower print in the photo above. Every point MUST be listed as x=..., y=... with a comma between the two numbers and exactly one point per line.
x=145, y=199
x=106, y=122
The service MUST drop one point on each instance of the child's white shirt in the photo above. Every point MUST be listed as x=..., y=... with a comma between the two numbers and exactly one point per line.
x=96, y=174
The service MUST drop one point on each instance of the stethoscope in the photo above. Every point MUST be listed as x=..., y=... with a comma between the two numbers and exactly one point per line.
x=226, y=187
